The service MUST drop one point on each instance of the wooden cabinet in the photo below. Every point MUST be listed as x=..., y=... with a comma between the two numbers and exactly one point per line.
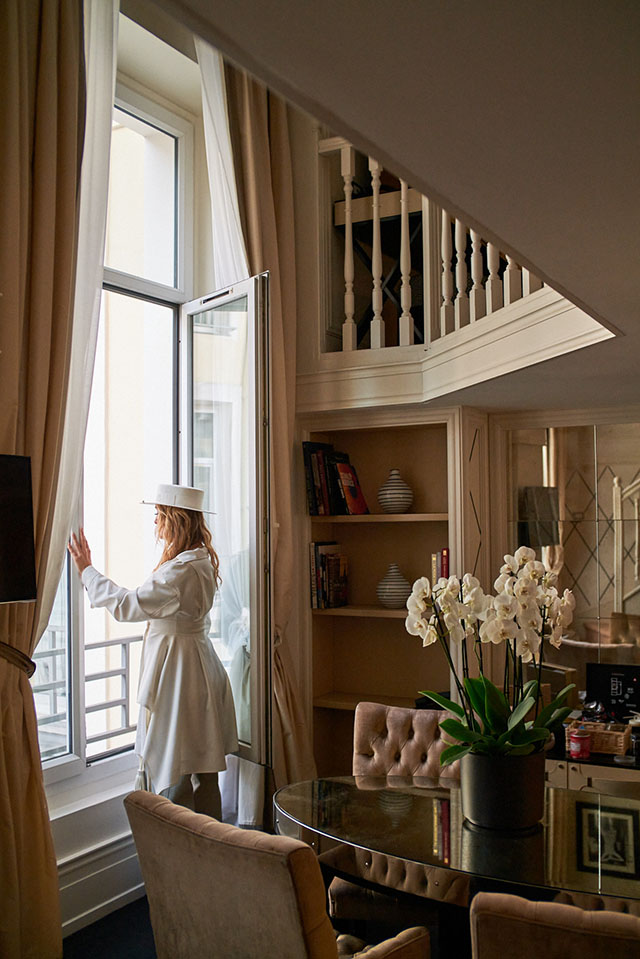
x=362, y=651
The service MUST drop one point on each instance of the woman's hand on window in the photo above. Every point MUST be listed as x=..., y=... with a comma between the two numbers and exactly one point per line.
x=80, y=552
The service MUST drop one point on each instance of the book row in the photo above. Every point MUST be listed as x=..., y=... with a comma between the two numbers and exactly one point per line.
x=440, y=565
x=328, y=567
x=332, y=482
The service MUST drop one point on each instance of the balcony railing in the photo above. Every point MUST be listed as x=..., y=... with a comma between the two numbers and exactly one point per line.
x=430, y=274
x=110, y=692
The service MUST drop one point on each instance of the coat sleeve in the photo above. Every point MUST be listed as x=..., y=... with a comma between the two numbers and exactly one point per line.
x=156, y=598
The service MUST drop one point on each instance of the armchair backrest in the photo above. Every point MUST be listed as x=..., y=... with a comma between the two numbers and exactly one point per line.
x=217, y=891
x=398, y=741
x=515, y=928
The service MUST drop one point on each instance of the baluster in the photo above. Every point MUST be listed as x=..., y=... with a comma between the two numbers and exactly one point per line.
x=377, y=323
x=494, y=285
x=462, y=299
x=446, y=310
x=349, y=329
x=405, y=332
x=512, y=282
x=431, y=269
x=477, y=299
x=530, y=282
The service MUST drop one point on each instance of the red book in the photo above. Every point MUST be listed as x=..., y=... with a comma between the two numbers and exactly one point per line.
x=355, y=501
x=445, y=563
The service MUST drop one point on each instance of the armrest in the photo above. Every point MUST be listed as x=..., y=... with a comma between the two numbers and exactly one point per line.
x=409, y=944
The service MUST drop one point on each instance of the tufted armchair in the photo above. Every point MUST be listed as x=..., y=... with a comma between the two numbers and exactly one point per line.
x=396, y=741
x=217, y=892
x=390, y=741
x=515, y=928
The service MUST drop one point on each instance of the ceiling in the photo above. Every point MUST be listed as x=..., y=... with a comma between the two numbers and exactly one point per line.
x=522, y=119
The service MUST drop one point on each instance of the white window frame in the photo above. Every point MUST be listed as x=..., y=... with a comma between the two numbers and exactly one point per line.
x=74, y=765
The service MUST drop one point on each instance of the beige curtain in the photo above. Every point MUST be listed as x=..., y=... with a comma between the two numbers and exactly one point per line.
x=42, y=104
x=260, y=136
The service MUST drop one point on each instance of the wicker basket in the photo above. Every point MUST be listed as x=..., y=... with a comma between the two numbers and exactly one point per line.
x=602, y=740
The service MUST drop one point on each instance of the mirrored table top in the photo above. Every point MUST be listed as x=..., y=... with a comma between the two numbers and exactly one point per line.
x=587, y=842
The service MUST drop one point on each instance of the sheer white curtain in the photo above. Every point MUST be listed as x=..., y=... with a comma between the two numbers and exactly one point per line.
x=100, y=45
x=242, y=785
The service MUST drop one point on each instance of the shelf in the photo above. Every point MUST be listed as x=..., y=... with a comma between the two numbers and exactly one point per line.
x=349, y=701
x=384, y=518
x=372, y=612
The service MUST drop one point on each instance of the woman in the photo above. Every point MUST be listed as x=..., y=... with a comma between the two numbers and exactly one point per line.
x=187, y=724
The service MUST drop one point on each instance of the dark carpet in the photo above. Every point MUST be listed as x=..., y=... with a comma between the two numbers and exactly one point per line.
x=124, y=934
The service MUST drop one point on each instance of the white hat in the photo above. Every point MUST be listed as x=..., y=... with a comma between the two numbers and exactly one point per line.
x=184, y=497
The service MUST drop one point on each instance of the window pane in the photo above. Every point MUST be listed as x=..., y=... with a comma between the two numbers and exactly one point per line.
x=222, y=454
x=128, y=451
x=141, y=216
x=50, y=681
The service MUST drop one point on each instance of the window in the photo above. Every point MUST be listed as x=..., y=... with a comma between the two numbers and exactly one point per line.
x=85, y=689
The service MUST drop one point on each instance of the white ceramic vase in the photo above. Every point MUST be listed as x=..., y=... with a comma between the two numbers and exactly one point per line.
x=393, y=589
x=395, y=496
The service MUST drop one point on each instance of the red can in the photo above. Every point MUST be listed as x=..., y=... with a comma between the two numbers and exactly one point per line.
x=579, y=744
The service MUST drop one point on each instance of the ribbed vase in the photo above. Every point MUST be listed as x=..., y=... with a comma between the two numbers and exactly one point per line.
x=395, y=496
x=393, y=589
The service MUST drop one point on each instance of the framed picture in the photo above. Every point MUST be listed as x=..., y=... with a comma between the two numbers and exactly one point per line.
x=608, y=840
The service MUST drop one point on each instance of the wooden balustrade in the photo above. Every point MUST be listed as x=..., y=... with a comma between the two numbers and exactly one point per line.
x=464, y=278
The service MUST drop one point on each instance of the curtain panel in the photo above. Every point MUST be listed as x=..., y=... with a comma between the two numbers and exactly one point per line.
x=258, y=124
x=42, y=116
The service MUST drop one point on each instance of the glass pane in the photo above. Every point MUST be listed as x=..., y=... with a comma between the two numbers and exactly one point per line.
x=128, y=451
x=50, y=681
x=223, y=458
x=141, y=216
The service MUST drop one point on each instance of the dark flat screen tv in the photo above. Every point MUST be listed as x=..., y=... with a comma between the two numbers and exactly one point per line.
x=17, y=556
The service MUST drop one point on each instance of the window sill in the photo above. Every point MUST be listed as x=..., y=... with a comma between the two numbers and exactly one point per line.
x=73, y=786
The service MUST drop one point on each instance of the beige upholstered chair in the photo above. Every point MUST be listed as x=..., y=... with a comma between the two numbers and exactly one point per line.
x=396, y=741
x=391, y=741
x=514, y=928
x=219, y=892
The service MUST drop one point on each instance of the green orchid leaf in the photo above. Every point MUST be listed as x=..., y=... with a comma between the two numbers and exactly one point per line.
x=451, y=753
x=496, y=707
x=444, y=702
x=530, y=689
x=559, y=716
x=521, y=750
x=545, y=714
x=460, y=731
x=526, y=736
x=521, y=710
x=474, y=689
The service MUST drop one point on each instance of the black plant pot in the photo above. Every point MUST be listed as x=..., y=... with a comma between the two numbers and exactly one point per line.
x=503, y=792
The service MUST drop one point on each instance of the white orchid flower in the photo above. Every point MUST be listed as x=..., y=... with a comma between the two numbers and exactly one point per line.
x=430, y=637
x=527, y=644
x=510, y=566
x=497, y=630
x=568, y=599
x=505, y=606
x=550, y=578
x=523, y=555
x=416, y=626
x=529, y=617
x=469, y=583
x=556, y=636
x=534, y=569
x=415, y=604
x=422, y=589
x=525, y=588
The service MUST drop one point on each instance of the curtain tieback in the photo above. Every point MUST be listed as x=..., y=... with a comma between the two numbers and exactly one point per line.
x=14, y=656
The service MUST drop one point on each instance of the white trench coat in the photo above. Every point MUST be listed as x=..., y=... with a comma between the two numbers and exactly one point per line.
x=190, y=725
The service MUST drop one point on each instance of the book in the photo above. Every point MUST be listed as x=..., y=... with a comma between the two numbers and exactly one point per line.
x=337, y=501
x=336, y=568
x=322, y=551
x=445, y=562
x=324, y=485
x=312, y=474
x=355, y=501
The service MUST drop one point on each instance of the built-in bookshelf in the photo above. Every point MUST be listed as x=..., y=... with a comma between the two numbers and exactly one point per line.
x=362, y=651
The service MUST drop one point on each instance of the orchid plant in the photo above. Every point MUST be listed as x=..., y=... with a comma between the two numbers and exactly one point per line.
x=526, y=612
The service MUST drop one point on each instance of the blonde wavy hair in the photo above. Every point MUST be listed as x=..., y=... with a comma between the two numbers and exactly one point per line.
x=182, y=529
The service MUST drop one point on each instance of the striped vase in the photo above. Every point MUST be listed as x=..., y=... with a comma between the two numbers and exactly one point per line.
x=395, y=496
x=393, y=589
